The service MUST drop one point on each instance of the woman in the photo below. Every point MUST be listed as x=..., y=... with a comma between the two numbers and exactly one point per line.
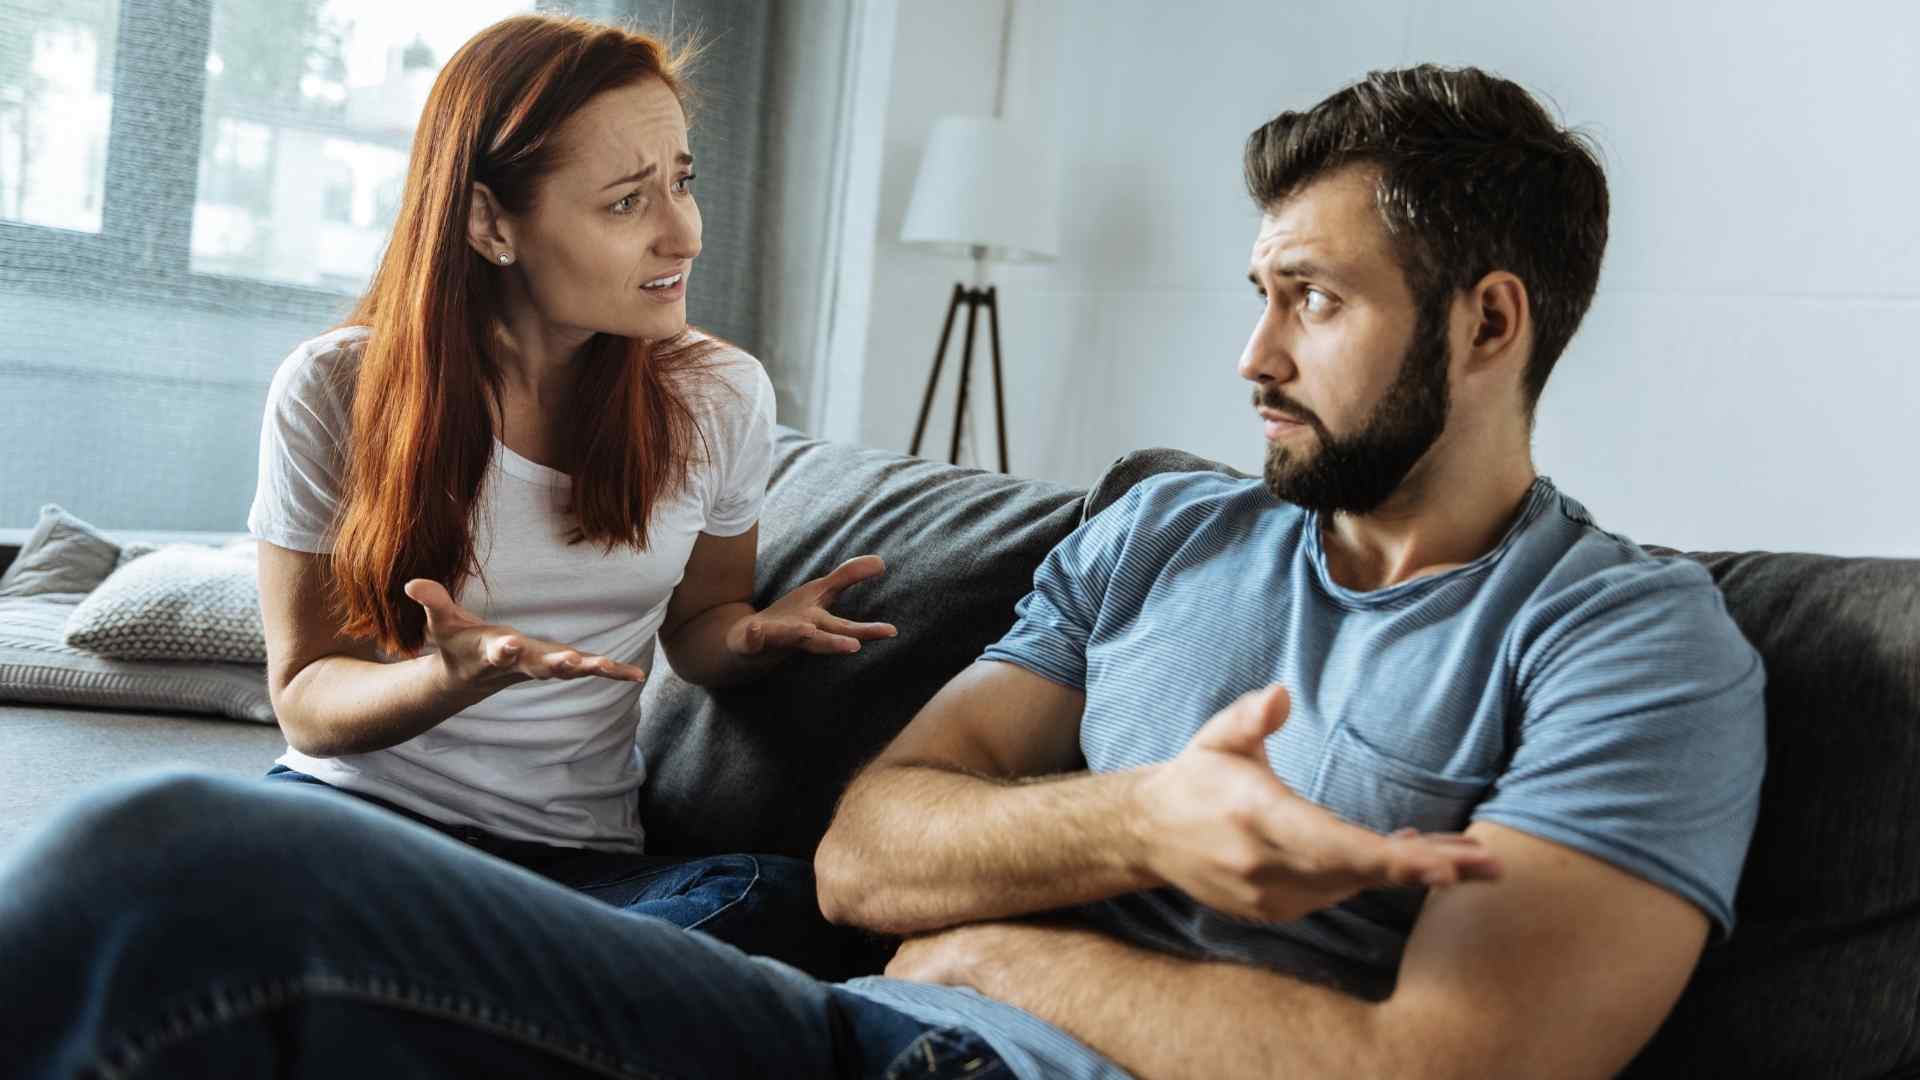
x=518, y=415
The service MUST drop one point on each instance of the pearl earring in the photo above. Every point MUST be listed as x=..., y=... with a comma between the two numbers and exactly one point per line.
x=506, y=257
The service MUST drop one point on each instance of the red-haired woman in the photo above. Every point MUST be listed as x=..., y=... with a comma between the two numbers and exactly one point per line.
x=517, y=415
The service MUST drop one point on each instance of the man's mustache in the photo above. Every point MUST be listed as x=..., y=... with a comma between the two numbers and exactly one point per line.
x=1265, y=397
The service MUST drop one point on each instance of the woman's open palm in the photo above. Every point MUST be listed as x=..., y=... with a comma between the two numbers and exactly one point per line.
x=482, y=655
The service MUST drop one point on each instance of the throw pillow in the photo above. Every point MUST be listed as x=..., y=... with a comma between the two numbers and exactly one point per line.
x=182, y=602
x=62, y=555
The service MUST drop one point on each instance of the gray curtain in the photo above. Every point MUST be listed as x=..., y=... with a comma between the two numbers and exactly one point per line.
x=185, y=195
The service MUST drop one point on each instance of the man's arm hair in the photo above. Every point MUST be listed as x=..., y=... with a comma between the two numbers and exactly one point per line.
x=1565, y=968
x=980, y=809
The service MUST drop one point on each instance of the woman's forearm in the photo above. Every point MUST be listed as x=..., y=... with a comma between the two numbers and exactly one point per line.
x=699, y=652
x=340, y=705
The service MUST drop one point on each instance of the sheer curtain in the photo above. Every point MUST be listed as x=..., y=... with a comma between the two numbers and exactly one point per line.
x=189, y=188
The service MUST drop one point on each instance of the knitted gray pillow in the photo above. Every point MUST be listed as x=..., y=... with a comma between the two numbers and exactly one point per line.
x=181, y=602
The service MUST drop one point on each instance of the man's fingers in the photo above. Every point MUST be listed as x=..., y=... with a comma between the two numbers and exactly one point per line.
x=1436, y=860
x=1243, y=727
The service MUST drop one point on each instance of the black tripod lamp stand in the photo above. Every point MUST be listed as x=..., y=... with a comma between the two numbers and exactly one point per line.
x=975, y=194
x=973, y=300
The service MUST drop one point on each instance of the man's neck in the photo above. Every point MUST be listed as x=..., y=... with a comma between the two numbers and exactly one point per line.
x=1451, y=509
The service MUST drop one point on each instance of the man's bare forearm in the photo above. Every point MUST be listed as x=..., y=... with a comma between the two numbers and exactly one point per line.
x=340, y=705
x=916, y=848
x=1166, y=1018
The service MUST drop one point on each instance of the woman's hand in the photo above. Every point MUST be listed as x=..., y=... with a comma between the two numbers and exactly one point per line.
x=488, y=656
x=800, y=620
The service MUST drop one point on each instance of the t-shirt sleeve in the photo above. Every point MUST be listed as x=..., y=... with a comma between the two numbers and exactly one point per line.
x=742, y=457
x=302, y=438
x=1643, y=740
x=1053, y=622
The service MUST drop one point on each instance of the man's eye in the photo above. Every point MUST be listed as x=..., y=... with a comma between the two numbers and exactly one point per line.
x=1316, y=302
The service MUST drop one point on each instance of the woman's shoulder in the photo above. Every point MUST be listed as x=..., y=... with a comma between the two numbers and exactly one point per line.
x=724, y=379
x=319, y=373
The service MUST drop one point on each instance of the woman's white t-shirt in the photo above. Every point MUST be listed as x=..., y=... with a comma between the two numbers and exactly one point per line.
x=548, y=760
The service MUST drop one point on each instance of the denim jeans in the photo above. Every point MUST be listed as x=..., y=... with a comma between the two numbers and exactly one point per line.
x=763, y=904
x=185, y=925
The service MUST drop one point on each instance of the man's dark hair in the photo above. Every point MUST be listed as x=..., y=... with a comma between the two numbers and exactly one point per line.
x=1474, y=177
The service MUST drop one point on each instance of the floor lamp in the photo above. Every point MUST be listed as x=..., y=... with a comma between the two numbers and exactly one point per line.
x=977, y=193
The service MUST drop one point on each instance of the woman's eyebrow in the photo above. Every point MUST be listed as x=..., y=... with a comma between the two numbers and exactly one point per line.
x=683, y=157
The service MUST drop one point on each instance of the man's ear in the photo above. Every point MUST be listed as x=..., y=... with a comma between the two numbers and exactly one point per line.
x=488, y=230
x=1502, y=321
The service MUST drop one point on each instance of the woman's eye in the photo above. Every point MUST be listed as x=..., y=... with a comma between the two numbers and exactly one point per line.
x=625, y=204
x=684, y=185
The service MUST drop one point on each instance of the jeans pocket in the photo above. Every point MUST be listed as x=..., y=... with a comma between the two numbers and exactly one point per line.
x=949, y=1052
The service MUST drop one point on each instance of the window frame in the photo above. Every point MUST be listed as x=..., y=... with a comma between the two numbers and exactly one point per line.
x=144, y=246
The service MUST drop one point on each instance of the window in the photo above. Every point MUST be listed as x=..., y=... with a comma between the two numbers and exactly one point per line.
x=309, y=114
x=56, y=97
x=219, y=153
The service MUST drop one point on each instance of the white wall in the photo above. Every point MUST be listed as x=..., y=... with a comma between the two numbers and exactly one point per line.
x=1748, y=377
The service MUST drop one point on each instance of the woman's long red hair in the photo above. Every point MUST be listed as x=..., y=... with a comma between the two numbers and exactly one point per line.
x=429, y=375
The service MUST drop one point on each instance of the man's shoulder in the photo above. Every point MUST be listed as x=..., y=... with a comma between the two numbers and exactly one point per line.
x=1602, y=584
x=1189, y=498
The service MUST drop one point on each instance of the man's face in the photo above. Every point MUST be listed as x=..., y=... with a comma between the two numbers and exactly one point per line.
x=1349, y=380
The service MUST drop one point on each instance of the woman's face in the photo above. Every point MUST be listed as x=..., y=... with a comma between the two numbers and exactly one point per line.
x=610, y=240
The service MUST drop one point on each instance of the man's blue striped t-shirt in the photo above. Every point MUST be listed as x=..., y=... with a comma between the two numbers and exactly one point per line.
x=1566, y=684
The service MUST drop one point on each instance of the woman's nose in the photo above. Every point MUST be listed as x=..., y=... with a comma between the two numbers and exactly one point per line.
x=681, y=238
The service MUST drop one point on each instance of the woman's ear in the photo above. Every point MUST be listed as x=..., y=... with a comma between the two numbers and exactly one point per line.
x=488, y=230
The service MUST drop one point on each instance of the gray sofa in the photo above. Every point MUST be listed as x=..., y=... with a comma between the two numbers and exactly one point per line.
x=1822, y=977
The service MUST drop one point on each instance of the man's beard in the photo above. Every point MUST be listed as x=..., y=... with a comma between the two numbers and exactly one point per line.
x=1355, y=474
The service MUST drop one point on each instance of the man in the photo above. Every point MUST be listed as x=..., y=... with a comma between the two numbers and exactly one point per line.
x=1388, y=764
x=1222, y=694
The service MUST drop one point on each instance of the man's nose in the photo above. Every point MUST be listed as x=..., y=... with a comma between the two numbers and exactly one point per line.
x=1266, y=358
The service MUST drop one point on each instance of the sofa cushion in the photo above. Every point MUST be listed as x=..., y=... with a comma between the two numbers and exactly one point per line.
x=758, y=768
x=38, y=666
x=1822, y=974
x=181, y=602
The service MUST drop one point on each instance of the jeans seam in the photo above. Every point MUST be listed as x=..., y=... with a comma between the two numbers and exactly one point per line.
x=128, y=1054
x=723, y=908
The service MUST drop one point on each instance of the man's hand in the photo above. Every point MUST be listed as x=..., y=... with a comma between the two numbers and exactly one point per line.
x=801, y=619
x=1217, y=824
x=974, y=955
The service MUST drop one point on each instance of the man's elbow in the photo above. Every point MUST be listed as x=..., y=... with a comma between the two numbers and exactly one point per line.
x=837, y=879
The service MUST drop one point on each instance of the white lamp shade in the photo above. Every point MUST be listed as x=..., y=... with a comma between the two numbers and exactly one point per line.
x=982, y=184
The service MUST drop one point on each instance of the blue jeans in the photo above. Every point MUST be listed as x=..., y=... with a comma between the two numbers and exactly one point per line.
x=184, y=925
x=762, y=904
